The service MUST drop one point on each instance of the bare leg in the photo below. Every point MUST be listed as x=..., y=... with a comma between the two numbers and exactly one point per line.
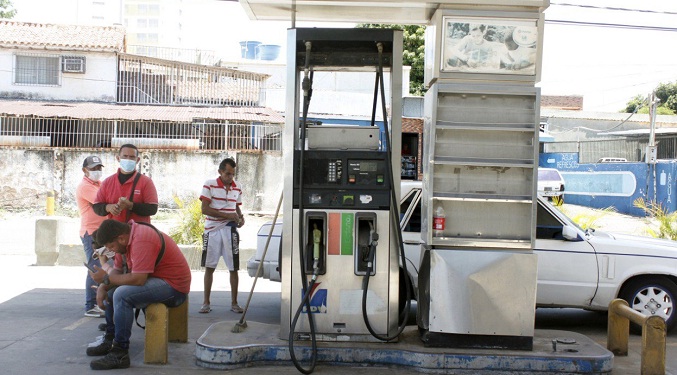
x=233, y=287
x=209, y=278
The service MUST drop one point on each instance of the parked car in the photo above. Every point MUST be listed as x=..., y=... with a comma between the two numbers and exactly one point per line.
x=576, y=268
x=550, y=183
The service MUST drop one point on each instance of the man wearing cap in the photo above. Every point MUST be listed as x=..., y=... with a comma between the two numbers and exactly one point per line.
x=148, y=268
x=89, y=222
x=128, y=194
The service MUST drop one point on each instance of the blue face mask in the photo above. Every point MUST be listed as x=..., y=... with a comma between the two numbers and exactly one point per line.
x=127, y=165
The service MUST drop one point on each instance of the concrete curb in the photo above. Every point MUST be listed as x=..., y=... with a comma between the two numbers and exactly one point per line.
x=258, y=345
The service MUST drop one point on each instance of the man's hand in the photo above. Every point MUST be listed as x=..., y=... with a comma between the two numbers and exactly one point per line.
x=113, y=209
x=101, y=295
x=98, y=275
x=240, y=221
x=125, y=204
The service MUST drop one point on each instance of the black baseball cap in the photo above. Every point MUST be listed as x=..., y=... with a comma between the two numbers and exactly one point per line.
x=91, y=162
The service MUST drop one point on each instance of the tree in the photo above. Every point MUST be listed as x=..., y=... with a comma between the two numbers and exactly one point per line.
x=6, y=9
x=413, y=40
x=667, y=104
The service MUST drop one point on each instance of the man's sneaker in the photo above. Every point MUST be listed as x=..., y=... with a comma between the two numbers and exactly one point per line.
x=116, y=358
x=95, y=312
x=100, y=346
x=102, y=327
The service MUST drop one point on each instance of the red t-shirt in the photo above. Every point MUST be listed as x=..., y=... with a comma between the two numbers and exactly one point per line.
x=142, y=252
x=111, y=190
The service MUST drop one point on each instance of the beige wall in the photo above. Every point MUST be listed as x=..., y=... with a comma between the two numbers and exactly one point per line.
x=27, y=175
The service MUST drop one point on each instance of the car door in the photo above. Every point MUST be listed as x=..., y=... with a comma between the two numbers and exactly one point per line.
x=567, y=269
x=410, y=213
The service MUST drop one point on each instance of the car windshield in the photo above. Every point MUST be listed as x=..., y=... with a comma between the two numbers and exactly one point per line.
x=548, y=174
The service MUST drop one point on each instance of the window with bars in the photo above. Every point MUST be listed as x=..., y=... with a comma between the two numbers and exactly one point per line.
x=37, y=70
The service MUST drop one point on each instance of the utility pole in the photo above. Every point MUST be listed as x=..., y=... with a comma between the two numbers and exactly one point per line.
x=651, y=151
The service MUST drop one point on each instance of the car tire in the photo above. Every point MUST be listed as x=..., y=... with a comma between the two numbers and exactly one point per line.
x=652, y=296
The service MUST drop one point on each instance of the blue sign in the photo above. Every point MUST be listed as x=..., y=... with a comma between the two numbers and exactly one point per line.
x=318, y=300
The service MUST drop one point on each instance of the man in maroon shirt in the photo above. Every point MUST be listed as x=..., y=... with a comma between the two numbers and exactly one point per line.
x=128, y=194
x=148, y=268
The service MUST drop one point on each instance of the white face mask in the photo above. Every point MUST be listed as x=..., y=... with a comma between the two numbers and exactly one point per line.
x=95, y=175
x=127, y=165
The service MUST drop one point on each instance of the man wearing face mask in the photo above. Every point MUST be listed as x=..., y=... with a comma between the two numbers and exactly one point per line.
x=85, y=194
x=128, y=194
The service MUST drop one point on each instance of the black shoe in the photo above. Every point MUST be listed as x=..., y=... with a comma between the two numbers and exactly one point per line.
x=116, y=358
x=102, y=347
x=102, y=327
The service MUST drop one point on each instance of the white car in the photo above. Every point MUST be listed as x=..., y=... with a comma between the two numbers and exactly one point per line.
x=550, y=182
x=576, y=268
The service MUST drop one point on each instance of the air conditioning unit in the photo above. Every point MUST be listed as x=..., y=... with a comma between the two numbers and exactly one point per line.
x=73, y=64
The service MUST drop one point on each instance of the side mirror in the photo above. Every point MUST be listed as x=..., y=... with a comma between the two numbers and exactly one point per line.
x=570, y=234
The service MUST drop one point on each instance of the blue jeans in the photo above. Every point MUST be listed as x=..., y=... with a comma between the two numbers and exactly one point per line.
x=120, y=316
x=90, y=293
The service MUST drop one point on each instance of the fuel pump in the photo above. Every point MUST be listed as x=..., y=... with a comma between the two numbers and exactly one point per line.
x=341, y=252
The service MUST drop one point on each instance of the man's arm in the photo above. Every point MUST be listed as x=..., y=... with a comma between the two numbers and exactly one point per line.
x=209, y=211
x=115, y=277
x=144, y=209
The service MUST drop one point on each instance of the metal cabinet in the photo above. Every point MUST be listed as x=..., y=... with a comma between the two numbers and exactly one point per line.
x=480, y=165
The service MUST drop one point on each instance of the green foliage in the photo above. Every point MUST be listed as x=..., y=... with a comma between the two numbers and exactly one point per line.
x=6, y=10
x=413, y=40
x=191, y=224
x=634, y=103
x=667, y=221
x=667, y=104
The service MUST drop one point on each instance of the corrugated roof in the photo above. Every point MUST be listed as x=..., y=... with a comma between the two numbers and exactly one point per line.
x=61, y=37
x=88, y=110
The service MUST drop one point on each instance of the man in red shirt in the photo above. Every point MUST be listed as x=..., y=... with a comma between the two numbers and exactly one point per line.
x=128, y=194
x=148, y=268
x=89, y=222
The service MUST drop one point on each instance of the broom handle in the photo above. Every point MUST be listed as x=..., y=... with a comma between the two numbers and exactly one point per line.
x=265, y=250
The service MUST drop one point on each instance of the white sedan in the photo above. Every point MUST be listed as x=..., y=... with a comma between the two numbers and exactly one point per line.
x=576, y=268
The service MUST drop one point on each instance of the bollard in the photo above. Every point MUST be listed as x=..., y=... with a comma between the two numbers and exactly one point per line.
x=50, y=203
x=653, y=336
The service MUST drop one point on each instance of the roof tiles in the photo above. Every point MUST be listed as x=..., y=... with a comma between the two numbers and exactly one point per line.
x=61, y=37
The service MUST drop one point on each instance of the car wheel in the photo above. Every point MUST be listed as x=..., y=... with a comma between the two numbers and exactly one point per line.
x=652, y=296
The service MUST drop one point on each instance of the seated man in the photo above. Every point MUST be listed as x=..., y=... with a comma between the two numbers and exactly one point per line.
x=148, y=268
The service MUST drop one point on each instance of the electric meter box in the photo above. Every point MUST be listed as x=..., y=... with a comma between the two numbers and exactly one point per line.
x=328, y=137
x=472, y=44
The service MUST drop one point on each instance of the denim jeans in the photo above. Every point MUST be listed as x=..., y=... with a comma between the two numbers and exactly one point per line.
x=120, y=316
x=90, y=293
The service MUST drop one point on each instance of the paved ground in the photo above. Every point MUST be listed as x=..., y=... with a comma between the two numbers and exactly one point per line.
x=42, y=327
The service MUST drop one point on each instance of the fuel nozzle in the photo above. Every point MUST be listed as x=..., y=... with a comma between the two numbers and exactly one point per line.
x=317, y=237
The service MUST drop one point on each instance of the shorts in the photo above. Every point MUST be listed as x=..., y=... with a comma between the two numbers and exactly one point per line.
x=223, y=242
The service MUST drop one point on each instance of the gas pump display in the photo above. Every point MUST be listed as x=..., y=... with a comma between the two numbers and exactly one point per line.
x=340, y=278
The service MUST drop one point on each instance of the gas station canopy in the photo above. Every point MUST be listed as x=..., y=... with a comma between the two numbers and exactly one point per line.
x=374, y=11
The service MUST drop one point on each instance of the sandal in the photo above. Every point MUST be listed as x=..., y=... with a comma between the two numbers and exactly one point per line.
x=205, y=309
x=236, y=309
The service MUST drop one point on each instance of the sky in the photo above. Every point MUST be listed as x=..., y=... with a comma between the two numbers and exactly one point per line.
x=608, y=65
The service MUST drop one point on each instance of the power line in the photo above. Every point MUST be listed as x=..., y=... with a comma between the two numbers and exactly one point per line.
x=615, y=8
x=611, y=25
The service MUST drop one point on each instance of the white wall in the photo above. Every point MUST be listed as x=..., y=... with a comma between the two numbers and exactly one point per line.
x=98, y=83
